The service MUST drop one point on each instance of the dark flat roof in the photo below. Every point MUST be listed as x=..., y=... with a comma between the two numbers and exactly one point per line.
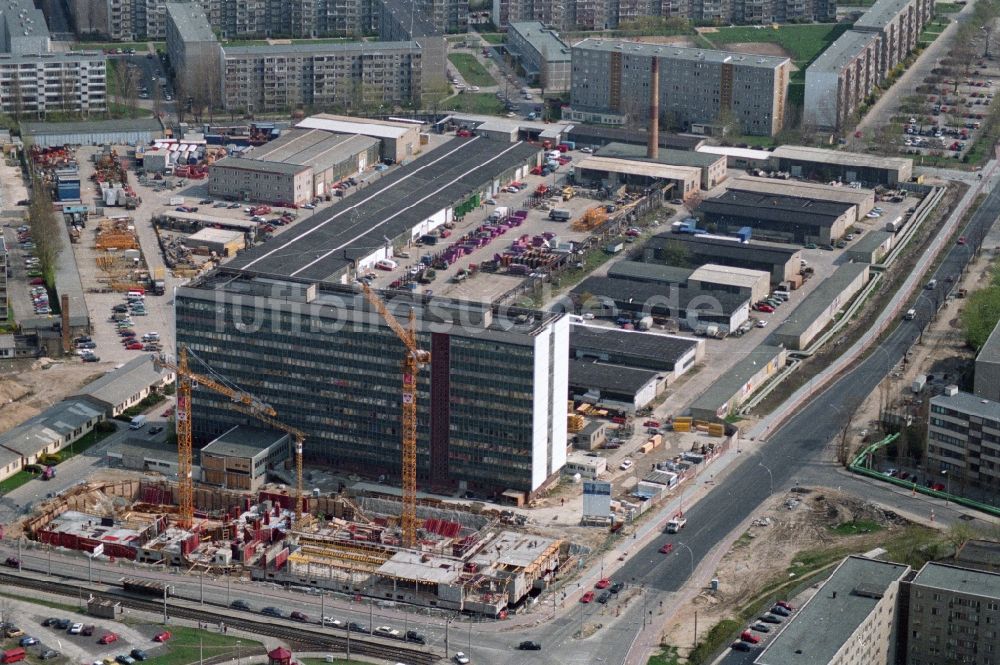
x=635, y=292
x=243, y=441
x=641, y=271
x=772, y=207
x=588, y=133
x=629, y=342
x=613, y=378
x=323, y=245
x=702, y=160
x=719, y=247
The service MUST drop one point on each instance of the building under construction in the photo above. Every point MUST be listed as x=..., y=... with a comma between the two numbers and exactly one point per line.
x=464, y=561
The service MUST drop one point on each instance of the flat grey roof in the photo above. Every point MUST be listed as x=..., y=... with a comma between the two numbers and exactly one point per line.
x=970, y=404
x=671, y=52
x=630, y=290
x=243, y=441
x=258, y=165
x=667, y=156
x=326, y=243
x=805, y=315
x=191, y=21
x=730, y=383
x=840, y=157
x=588, y=133
x=821, y=627
x=94, y=126
x=543, y=40
x=990, y=353
x=880, y=13
x=120, y=385
x=314, y=147
x=871, y=241
x=718, y=247
x=41, y=58
x=588, y=375
x=960, y=580
x=629, y=342
x=418, y=24
x=317, y=49
x=842, y=52
x=16, y=15
x=148, y=448
x=802, y=189
x=650, y=272
x=775, y=207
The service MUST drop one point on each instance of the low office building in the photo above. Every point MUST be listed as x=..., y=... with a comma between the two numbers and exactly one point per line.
x=326, y=360
x=700, y=90
x=821, y=307
x=220, y=242
x=963, y=439
x=953, y=615
x=692, y=308
x=124, y=386
x=585, y=466
x=327, y=156
x=64, y=82
x=255, y=180
x=680, y=182
x=840, y=80
x=871, y=248
x=736, y=386
x=852, y=619
x=755, y=285
x=825, y=165
x=672, y=355
x=57, y=427
x=778, y=218
x=592, y=436
x=399, y=141
x=747, y=159
x=987, y=370
x=713, y=167
x=613, y=385
x=354, y=75
x=541, y=54
x=241, y=457
x=782, y=261
x=863, y=200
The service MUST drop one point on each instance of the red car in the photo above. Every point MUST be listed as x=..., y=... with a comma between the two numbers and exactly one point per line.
x=788, y=606
x=961, y=240
x=162, y=637
x=587, y=597
x=652, y=423
x=747, y=636
x=667, y=548
x=134, y=346
x=108, y=638
x=298, y=616
x=603, y=584
x=765, y=308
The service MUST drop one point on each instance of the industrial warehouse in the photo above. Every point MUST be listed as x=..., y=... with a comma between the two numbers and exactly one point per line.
x=778, y=218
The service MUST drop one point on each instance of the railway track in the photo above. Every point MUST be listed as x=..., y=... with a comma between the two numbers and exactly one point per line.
x=299, y=636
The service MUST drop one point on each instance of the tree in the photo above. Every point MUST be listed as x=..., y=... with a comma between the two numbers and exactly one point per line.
x=676, y=254
x=45, y=230
x=16, y=98
x=433, y=95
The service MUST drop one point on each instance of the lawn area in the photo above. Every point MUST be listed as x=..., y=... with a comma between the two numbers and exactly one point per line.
x=264, y=42
x=187, y=645
x=666, y=657
x=802, y=42
x=947, y=8
x=492, y=37
x=856, y=527
x=471, y=69
x=474, y=102
x=75, y=448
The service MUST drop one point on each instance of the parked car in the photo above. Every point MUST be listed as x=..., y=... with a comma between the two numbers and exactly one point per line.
x=138, y=654
x=461, y=658
x=780, y=611
x=785, y=604
x=761, y=627
x=603, y=598
x=388, y=631
x=739, y=645
x=356, y=628
x=298, y=616
x=124, y=659
x=587, y=597
x=603, y=583
x=336, y=623
x=162, y=636
x=76, y=629
x=27, y=641
x=747, y=636
x=63, y=624
x=108, y=638
x=616, y=587
x=415, y=637
x=771, y=618
x=272, y=612
x=14, y=562
x=49, y=654
x=237, y=604
x=87, y=630
x=529, y=645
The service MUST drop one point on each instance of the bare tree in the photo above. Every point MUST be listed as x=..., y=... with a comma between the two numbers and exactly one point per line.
x=45, y=230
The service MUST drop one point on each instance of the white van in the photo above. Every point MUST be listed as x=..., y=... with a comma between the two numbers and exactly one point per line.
x=138, y=422
x=910, y=314
x=931, y=285
x=781, y=294
x=135, y=295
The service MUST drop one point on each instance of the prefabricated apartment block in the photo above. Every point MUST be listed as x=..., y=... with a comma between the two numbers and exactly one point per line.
x=544, y=57
x=699, y=88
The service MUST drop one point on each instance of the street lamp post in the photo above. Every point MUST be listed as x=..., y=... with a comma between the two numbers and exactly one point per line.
x=690, y=554
x=770, y=475
x=947, y=492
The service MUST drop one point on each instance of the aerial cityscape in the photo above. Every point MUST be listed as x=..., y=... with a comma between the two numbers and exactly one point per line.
x=510, y=332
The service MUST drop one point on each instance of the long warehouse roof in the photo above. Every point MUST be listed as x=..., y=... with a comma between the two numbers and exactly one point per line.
x=326, y=243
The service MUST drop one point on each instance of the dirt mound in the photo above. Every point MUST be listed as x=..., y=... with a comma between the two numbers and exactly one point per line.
x=673, y=40
x=758, y=48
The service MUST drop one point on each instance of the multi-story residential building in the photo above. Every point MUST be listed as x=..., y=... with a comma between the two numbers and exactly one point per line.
x=544, y=57
x=987, y=379
x=963, y=438
x=490, y=403
x=355, y=76
x=4, y=267
x=399, y=21
x=900, y=23
x=22, y=29
x=605, y=14
x=700, y=89
x=194, y=52
x=841, y=78
x=850, y=620
x=953, y=616
x=69, y=82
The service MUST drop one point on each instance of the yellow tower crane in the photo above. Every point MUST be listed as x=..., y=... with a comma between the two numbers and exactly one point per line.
x=414, y=359
x=243, y=401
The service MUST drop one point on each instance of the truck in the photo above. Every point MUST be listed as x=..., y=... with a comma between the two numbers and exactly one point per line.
x=711, y=330
x=499, y=213
x=158, y=283
x=918, y=384
x=138, y=422
x=645, y=323
x=676, y=524
x=560, y=215
x=894, y=225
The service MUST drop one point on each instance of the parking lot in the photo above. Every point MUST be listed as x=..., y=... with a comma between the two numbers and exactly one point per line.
x=59, y=636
